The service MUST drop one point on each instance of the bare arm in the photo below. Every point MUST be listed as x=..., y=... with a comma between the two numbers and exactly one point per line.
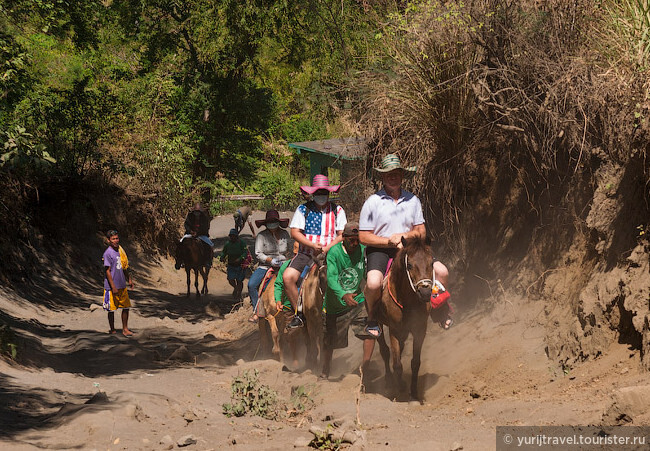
x=368, y=238
x=127, y=273
x=338, y=239
x=300, y=237
x=107, y=271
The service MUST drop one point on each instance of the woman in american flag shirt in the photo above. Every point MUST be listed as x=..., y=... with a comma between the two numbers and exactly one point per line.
x=316, y=225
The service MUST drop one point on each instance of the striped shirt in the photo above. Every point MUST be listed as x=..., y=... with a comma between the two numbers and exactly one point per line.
x=319, y=226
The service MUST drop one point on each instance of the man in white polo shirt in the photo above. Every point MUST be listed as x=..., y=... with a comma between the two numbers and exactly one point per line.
x=387, y=216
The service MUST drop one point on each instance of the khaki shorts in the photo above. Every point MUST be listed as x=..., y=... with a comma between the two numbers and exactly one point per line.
x=336, y=326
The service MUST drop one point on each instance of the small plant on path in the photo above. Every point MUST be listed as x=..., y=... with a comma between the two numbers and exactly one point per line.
x=8, y=342
x=249, y=396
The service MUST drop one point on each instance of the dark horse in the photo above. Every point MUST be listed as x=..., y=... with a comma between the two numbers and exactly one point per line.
x=195, y=255
x=404, y=308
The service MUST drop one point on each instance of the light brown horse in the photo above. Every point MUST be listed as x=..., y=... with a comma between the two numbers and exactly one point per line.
x=404, y=308
x=195, y=254
x=270, y=323
x=312, y=295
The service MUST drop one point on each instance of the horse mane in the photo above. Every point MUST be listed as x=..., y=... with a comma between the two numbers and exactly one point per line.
x=412, y=246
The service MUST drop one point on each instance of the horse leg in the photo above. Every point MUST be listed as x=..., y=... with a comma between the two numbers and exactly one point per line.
x=293, y=347
x=204, y=273
x=196, y=282
x=396, y=353
x=314, y=332
x=265, y=345
x=418, y=339
x=385, y=355
x=275, y=336
x=187, y=272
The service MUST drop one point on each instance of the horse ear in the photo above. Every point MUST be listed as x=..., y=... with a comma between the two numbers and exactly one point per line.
x=427, y=240
x=403, y=241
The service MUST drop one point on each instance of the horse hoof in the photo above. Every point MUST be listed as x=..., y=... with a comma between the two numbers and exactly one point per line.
x=414, y=403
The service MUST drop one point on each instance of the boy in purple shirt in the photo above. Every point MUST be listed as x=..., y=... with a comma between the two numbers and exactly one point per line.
x=116, y=274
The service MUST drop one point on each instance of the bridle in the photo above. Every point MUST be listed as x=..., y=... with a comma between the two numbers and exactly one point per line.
x=423, y=282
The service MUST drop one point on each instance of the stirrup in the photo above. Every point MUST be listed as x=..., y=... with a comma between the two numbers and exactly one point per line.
x=296, y=322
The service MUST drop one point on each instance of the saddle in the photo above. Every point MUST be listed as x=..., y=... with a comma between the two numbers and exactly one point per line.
x=266, y=280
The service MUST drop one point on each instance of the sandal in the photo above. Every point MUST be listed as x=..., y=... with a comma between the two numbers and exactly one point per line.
x=373, y=329
x=253, y=319
x=446, y=324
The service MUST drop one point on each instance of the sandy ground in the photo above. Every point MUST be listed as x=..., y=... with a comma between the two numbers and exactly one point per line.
x=77, y=387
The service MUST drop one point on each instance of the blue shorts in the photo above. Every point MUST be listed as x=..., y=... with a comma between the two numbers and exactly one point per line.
x=235, y=273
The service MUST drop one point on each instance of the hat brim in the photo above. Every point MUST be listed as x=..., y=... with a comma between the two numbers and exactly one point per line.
x=408, y=171
x=313, y=189
x=284, y=222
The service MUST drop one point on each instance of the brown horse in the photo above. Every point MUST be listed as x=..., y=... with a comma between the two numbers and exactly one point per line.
x=404, y=308
x=195, y=254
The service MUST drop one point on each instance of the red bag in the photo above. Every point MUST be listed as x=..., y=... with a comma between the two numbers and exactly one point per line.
x=439, y=295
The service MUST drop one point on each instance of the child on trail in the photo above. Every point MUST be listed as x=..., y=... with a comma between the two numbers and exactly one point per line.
x=116, y=275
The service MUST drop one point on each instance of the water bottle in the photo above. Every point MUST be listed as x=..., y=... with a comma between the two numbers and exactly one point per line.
x=437, y=289
x=439, y=294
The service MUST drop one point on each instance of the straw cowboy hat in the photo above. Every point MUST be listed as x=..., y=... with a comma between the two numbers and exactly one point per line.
x=272, y=216
x=320, y=182
x=391, y=162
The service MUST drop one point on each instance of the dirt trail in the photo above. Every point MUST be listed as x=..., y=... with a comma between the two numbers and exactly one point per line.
x=77, y=387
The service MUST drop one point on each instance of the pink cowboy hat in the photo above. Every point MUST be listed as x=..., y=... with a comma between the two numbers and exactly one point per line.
x=320, y=182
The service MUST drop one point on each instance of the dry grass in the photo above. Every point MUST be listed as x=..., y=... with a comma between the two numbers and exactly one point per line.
x=500, y=89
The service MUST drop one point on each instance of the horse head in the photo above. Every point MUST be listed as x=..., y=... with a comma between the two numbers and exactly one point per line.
x=414, y=266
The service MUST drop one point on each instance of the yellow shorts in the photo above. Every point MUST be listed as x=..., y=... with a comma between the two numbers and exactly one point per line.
x=121, y=300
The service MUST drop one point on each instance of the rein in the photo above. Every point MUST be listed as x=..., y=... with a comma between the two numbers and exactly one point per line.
x=392, y=296
x=420, y=282
x=414, y=287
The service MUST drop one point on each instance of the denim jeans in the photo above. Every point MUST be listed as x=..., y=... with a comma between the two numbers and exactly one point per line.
x=254, y=285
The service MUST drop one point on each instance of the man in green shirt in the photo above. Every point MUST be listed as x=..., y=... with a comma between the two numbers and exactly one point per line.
x=235, y=251
x=346, y=268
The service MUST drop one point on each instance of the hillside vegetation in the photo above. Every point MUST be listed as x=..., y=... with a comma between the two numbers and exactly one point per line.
x=528, y=122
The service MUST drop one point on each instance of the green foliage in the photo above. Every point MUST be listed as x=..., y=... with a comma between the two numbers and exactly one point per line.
x=8, y=345
x=71, y=123
x=627, y=27
x=301, y=400
x=249, y=396
x=179, y=99
x=299, y=128
x=22, y=154
x=323, y=440
x=277, y=183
